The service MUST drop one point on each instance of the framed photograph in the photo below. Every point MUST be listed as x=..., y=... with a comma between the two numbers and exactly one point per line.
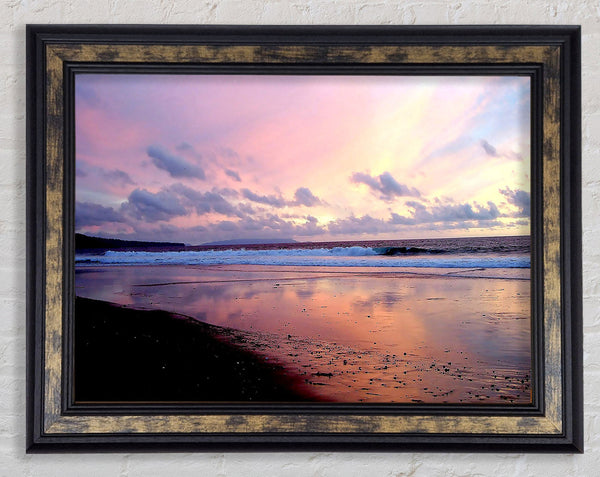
x=292, y=238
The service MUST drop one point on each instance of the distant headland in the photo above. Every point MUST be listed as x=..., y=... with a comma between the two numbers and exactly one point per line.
x=85, y=242
x=96, y=244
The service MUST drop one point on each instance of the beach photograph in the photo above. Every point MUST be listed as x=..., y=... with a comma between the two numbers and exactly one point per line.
x=302, y=238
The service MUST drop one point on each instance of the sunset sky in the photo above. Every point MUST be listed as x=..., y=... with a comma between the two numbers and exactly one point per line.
x=200, y=158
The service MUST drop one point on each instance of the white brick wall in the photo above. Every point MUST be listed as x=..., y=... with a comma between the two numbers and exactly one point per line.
x=14, y=14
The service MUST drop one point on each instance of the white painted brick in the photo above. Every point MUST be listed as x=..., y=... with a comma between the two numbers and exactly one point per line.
x=14, y=14
x=96, y=466
x=590, y=127
x=187, y=465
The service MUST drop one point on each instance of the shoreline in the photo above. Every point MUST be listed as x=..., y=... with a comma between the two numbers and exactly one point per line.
x=317, y=271
x=125, y=354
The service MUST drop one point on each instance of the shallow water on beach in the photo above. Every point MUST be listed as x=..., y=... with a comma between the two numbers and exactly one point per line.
x=360, y=335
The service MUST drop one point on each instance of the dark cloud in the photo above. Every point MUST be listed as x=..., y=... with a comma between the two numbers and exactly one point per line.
x=177, y=200
x=79, y=172
x=234, y=175
x=305, y=197
x=385, y=184
x=213, y=160
x=227, y=192
x=358, y=225
x=114, y=176
x=284, y=228
x=309, y=228
x=302, y=196
x=246, y=209
x=363, y=178
x=398, y=219
x=119, y=177
x=174, y=165
x=475, y=224
x=421, y=214
x=274, y=222
x=520, y=199
x=227, y=226
x=493, y=152
x=219, y=204
x=489, y=149
x=87, y=213
x=203, y=202
x=269, y=226
x=390, y=186
x=271, y=200
x=151, y=207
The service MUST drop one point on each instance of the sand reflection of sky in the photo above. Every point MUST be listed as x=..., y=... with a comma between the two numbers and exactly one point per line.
x=376, y=310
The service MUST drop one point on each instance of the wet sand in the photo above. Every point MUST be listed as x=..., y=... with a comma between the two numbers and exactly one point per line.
x=359, y=335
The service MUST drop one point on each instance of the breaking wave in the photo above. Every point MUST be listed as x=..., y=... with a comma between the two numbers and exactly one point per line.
x=356, y=256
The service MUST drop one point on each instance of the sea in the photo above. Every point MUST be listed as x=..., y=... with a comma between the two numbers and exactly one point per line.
x=430, y=320
x=479, y=252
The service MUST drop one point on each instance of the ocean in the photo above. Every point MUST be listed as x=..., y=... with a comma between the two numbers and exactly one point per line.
x=481, y=252
x=433, y=320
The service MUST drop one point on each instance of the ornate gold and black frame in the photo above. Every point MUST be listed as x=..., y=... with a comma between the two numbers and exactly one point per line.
x=549, y=55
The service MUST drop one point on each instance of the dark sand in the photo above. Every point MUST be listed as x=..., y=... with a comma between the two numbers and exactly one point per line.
x=124, y=354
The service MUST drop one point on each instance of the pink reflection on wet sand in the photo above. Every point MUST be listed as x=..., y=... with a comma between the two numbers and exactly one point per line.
x=365, y=335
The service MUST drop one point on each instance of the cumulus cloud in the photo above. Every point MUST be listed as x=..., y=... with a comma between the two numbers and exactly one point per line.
x=113, y=176
x=305, y=197
x=226, y=192
x=269, y=226
x=203, y=202
x=227, y=226
x=283, y=228
x=358, y=225
x=233, y=174
x=505, y=154
x=302, y=196
x=176, y=200
x=153, y=207
x=119, y=177
x=246, y=209
x=384, y=184
x=489, y=149
x=176, y=166
x=88, y=213
x=271, y=200
x=421, y=214
x=520, y=199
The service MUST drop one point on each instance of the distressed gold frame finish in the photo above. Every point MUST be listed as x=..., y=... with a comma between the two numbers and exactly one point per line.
x=547, y=424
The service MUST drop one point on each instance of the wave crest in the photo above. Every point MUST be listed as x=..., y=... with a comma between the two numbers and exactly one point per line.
x=333, y=257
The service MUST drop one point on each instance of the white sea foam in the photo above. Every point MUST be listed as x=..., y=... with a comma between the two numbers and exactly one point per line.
x=334, y=257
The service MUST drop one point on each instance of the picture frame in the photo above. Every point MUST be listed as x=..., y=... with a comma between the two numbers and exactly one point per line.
x=548, y=55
